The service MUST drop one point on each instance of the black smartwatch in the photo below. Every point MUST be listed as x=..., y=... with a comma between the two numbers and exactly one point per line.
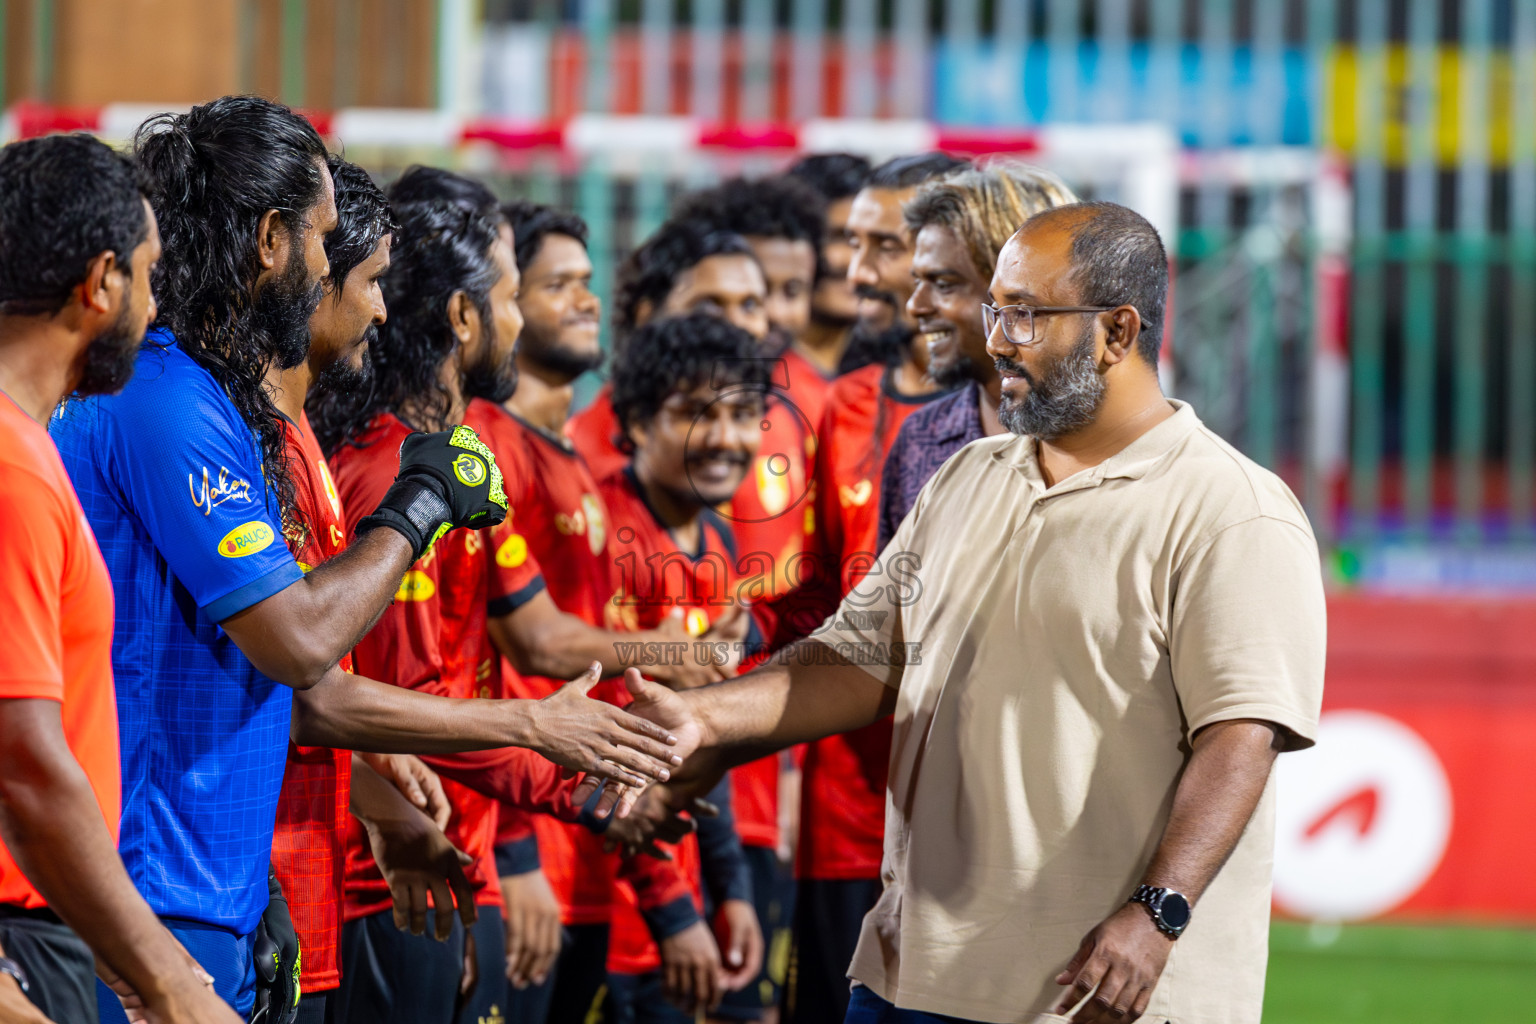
x=1170, y=910
x=11, y=967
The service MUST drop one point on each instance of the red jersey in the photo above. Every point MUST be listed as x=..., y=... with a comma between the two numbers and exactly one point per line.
x=593, y=432
x=773, y=513
x=555, y=538
x=807, y=387
x=842, y=802
x=432, y=638
x=652, y=575
x=309, y=839
x=631, y=950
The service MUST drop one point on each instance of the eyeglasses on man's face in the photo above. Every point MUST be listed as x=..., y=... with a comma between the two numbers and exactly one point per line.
x=1019, y=320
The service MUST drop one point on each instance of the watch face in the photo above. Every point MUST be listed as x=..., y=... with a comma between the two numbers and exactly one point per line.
x=1174, y=910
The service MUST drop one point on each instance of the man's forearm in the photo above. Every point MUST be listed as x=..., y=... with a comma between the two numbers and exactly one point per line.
x=353, y=712
x=374, y=798
x=299, y=634
x=53, y=827
x=512, y=776
x=557, y=646
x=1216, y=796
x=349, y=592
x=805, y=693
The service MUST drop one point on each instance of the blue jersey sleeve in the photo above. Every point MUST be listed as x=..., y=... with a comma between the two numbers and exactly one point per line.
x=189, y=470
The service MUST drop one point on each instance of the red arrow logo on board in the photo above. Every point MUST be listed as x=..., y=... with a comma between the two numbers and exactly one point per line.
x=1357, y=809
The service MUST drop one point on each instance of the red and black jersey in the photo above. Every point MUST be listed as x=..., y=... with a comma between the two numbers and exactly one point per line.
x=594, y=431
x=807, y=387
x=631, y=949
x=773, y=513
x=842, y=803
x=432, y=638
x=652, y=576
x=555, y=538
x=308, y=840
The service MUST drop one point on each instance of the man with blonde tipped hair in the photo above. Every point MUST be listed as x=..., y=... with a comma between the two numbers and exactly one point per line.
x=959, y=224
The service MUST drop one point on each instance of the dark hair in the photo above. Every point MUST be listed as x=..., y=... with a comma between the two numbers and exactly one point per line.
x=439, y=249
x=907, y=171
x=64, y=200
x=363, y=218
x=677, y=352
x=1117, y=259
x=766, y=207
x=531, y=222
x=212, y=174
x=433, y=184
x=834, y=176
x=652, y=270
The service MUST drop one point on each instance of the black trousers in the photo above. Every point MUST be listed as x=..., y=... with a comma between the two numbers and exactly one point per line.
x=59, y=965
x=390, y=976
x=773, y=894
x=486, y=1003
x=640, y=999
x=581, y=974
x=828, y=917
x=314, y=1008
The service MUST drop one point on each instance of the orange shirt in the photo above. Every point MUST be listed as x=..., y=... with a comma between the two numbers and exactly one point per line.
x=57, y=606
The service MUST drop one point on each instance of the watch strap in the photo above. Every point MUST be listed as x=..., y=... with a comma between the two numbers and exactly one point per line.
x=1151, y=897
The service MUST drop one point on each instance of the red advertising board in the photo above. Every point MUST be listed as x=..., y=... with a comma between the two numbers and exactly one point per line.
x=1419, y=800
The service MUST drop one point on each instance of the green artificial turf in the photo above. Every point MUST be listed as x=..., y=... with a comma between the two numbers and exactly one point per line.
x=1402, y=974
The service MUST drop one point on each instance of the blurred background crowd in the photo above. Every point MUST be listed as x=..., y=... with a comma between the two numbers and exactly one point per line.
x=1348, y=192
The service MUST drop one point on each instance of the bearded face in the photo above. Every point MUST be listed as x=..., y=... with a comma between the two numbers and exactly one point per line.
x=1064, y=398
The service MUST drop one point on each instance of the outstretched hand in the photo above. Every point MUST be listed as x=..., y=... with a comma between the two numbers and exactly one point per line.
x=586, y=735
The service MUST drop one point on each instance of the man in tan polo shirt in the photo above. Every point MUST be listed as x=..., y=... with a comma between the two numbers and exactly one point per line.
x=1108, y=624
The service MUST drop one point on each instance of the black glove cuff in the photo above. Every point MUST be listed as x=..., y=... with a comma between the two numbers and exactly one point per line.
x=414, y=510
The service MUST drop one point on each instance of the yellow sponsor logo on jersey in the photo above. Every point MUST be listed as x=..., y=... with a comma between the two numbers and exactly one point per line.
x=416, y=586
x=329, y=486
x=246, y=539
x=597, y=523
x=857, y=495
x=696, y=622
x=513, y=552
x=773, y=484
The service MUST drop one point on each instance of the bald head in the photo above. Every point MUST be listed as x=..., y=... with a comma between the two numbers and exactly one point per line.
x=1117, y=259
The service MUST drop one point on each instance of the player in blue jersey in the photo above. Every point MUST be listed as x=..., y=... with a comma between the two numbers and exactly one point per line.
x=184, y=479
x=77, y=244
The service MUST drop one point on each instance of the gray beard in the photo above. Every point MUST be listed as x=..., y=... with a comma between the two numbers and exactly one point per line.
x=1063, y=400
